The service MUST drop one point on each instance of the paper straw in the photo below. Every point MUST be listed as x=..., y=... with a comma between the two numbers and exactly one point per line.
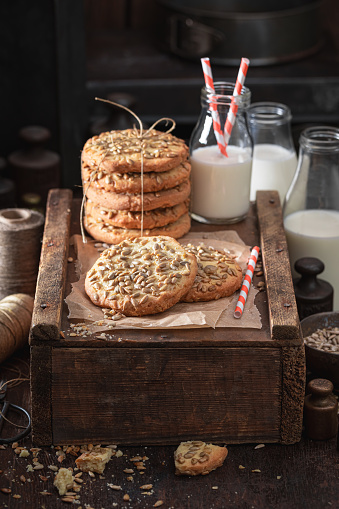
x=206, y=67
x=247, y=282
x=234, y=107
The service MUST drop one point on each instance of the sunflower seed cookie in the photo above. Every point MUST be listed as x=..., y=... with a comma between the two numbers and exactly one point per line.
x=141, y=277
x=218, y=275
x=133, y=202
x=125, y=219
x=110, y=234
x=196, y=457
x=121, y=150
x=131, y=182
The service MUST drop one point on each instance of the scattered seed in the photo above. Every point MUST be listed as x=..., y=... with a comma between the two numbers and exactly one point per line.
x=114, y=487
x=38, y=466
x=259, y=446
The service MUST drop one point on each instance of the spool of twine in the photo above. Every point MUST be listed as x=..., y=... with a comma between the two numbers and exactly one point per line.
x=15, y=321
x=20, y=244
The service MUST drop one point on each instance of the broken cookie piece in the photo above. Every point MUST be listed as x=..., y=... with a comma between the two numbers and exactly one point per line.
x=94, y=461
x=63, y=481
x=196, y=457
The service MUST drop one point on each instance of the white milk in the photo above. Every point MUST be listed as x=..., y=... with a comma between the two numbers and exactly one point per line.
x=315, y=233
x=220, y=185
x=273, y=168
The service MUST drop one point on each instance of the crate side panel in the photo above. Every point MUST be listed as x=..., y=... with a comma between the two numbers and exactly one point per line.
x=40, y=386
x=162, y=395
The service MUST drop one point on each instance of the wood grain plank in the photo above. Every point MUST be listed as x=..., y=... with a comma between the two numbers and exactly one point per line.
x=165, y=395
x=283, y=313
x=49, y=294
x=293, y=393
x=41, y=412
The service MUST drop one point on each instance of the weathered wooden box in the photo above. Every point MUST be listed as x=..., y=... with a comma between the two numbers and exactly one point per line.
x=231, y=385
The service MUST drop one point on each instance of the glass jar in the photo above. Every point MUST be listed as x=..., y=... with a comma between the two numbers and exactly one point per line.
x=274, y=155
x=220, y=184
x=311, y=209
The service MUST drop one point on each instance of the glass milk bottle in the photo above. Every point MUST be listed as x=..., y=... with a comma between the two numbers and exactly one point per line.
x=274, y=155
x=220, y=184
x=311, y=209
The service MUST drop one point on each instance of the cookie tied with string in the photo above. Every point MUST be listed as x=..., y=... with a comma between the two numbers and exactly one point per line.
x=128, y=219
x=144, y=201
x=105, y=232
x=141, y=277
x=150, y=182
x=130, y=151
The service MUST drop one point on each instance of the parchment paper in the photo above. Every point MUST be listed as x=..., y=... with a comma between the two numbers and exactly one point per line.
x=213, y=314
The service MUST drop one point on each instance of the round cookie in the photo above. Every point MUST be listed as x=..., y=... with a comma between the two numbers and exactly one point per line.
x=133, y=202
x=125, y=219
x=218, y=275
x=114, y=235
x=141, y=277
x=131, y=182
x=121, y=150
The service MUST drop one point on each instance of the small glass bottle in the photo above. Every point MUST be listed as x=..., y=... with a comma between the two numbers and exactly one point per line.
x=311, y=209
x=220, y=184
x=274, y=155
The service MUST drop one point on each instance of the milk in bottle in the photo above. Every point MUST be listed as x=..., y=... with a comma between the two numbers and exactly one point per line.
x=221, y=184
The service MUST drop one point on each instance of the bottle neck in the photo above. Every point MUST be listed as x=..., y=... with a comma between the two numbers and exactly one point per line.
x=268, y=114
x=222, y=96
x=323, y=139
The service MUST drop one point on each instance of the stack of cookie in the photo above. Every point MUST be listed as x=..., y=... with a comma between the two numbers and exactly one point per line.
x=135, y=185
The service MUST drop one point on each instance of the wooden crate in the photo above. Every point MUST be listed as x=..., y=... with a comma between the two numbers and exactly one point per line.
x=231, y=385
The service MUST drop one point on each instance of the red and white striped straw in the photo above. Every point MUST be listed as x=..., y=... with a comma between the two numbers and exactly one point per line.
x=234, y=107
x=247, y=282
x=207, y=70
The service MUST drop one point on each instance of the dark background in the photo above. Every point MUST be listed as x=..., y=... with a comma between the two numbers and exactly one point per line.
x=57, y=56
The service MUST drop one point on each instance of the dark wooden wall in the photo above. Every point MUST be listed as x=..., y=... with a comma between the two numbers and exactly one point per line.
x=42, y=75
x=27, y=69
x=119, y=14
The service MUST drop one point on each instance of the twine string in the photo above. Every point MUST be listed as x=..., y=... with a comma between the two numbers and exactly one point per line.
x=13, y=383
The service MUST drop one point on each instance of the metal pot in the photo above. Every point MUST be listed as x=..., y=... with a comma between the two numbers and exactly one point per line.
x=226, y=30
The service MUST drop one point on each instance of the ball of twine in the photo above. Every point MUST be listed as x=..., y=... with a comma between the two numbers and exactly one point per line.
x=15, y=321
x=20, y=244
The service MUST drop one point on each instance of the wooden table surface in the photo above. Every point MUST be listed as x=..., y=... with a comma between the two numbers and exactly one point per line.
x=303, y=475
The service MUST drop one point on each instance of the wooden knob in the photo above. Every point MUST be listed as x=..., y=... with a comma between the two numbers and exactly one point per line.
x=309, y=266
